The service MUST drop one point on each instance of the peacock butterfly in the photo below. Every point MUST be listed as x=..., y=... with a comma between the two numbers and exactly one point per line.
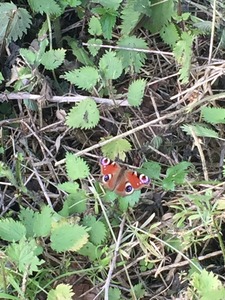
x=121, y=180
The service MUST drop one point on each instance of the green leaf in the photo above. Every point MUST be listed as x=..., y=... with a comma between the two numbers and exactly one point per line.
x=26, y=217
x=117, y=148
x=71, y=3
x=94, y=49
x=199, y=130
x=110, y=196
x=76, y=167
x=136, y=92
x=62, y=292
x=6, y=172
x=108, y=20
x=131, y=58
x=162, y=12
x=97, y=232
x=68, y=237
x=68, y=187
x=213, y=115
x=14, y=20
x=113, y=4
x=139, y=291
x=23, y=254
x=1, y=78
x=11, y=230
x=130, y=18
x=204, y=26
x=85, y=78
x=156, y=142
x=49, y=7
x=152, y=169
x=110, y=65
x=52, y=59
x=28, y=55
x=90, y=250
x=84, y=115
x=31, y=104
x=43, y=221
x=208, y=286
x=169, y=34
x=129, y=201
x=183, y=54
x=143, y=6
x=79, y=52
x=74, y=203
x=95, y=27
x=176, y=175
x=114, y=294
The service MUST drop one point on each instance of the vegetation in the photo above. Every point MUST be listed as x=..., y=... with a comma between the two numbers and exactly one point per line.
x=140, y=81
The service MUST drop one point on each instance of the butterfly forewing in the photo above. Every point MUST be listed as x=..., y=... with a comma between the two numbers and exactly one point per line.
x=114, y=170
x=135, y=180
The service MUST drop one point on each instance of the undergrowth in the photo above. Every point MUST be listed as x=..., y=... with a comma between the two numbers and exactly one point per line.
x=147, y=79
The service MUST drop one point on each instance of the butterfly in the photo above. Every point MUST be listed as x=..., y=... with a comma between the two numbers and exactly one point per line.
x=121, y=180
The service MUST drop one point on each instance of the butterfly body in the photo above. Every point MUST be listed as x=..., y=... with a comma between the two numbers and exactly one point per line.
x=121, y=180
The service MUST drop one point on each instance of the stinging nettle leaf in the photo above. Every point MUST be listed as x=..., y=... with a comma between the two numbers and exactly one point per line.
x=110, y=65
x=112, y=4
x=84, y=115
x=94, y=49
x=199, y=130
x=85, y=78
x=116, y=148
x=130, y=18
x=95, y=27
x=161, y=13
x=108, y=20
x=15, y=20
x=183, y=54
x=79, y=52
x=213, y=115
x=136, y=92
x=68, y=187
x=42, y=6
x=76, y=167
x=170, y=34
x=131, y=59
x=11, y=230
x=52, y=59
x=151, y=168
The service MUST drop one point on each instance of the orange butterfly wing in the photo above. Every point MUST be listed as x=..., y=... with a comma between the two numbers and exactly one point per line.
x=122, y=181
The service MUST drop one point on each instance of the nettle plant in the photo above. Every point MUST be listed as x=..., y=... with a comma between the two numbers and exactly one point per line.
x=211, y=116
x=28, y=237
x=99, y=72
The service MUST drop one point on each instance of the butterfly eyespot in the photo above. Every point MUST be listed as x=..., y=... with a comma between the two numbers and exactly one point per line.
x=144, y=179
x=128, y=188
x=105, y=161
x=106, y=178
